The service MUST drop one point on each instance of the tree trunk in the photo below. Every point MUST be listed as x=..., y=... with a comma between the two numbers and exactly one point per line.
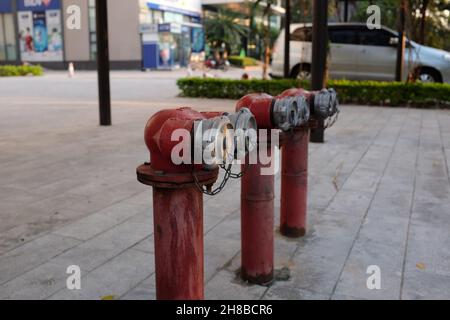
x=423, y=18
x=267, y=47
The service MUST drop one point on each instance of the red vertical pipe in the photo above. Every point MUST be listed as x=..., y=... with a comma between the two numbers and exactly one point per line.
x=178, y=226
x=257, y=223
x=294, y=183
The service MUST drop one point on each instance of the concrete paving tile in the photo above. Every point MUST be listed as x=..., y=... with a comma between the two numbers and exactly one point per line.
x=386, y=229
x=363, y=179
x=37, y=284
x=146, y=245
x=15, y=195
x=351, y=202
x=434, y=213
x=432, y=189
x=395, y=203
x=340, y=297
x=21, y=233
x=334, y=225
x=321, y=191
x=32, y=254
x=225, y=286
x=322, y=254
x=219, y=253
x=114, y=278
x=428, y=248
x=287, y=291
x=144, y=198
x=101, y=221
x=419, y=285
x=96, y=251
x=365, y=253
x=146, y=290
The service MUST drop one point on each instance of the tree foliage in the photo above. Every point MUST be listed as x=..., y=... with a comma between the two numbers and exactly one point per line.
x=223, y=28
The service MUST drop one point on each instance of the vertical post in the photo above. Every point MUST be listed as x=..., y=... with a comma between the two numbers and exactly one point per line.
x=250, y=33
x=16, y=31
x=287, y=39
x=345, y=10
x=178, y=230
x=257, y=220
x=294, y=183
x=401, y=43
x=104, y=93
x=319, y=57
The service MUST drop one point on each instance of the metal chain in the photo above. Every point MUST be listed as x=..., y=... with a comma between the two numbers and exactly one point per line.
x=215, y=191
x=238, y=175
x=332, y=120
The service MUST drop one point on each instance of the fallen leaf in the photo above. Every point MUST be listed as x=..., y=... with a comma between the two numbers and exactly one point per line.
x=109, y=297
x=420, y=266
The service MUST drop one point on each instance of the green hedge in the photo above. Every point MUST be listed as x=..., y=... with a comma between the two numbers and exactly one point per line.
x=350, y=92
x=15, y=71
x=242, y=61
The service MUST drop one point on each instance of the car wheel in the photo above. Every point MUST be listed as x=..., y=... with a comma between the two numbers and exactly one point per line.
x=429, y=76
x=301, y=72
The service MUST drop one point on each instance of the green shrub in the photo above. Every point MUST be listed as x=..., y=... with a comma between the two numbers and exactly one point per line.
x=15, y=71
x=350, y=92
x=242, y=61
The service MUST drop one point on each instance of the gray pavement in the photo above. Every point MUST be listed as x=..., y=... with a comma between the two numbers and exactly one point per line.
x=379, y=195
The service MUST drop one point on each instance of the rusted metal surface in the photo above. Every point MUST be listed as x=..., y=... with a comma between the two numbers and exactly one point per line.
x=294, y=183
x=260, y=104
x=148, y=176
x=178, y=232
x=212, y=114
x=257, y=224
x=158, y=137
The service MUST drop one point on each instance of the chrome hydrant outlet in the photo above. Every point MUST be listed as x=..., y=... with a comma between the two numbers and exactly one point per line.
x=285, y=113
x=246, y=132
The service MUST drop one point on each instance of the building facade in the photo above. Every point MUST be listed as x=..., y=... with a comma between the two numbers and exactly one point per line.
x=142, y=33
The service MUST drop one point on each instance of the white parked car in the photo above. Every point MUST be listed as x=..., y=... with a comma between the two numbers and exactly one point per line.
x=358, y=53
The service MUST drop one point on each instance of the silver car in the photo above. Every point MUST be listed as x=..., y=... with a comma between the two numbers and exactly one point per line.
x=358, y=53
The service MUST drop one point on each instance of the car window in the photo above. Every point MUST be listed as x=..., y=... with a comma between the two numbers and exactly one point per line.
x=343, y=35
x=369, y=37
x=302, y=34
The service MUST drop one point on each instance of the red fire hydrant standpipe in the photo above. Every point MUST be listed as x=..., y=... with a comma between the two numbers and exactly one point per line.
x=177, y=204
x=257, y=221
x=257, y=190
x=294, y=161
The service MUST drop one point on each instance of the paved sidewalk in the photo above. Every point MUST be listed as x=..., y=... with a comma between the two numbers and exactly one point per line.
x=379, y=195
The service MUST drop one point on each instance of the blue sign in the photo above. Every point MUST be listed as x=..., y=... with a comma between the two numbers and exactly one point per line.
x=164, y=27
x=38, y=5
x=198, y=40
x=5, y=5
x=156, y=6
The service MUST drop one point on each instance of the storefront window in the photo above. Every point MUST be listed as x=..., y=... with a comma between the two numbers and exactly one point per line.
x=157, y=16
x=172, y=17
x=10, y=37
x=8, y=51
x=2, y=40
